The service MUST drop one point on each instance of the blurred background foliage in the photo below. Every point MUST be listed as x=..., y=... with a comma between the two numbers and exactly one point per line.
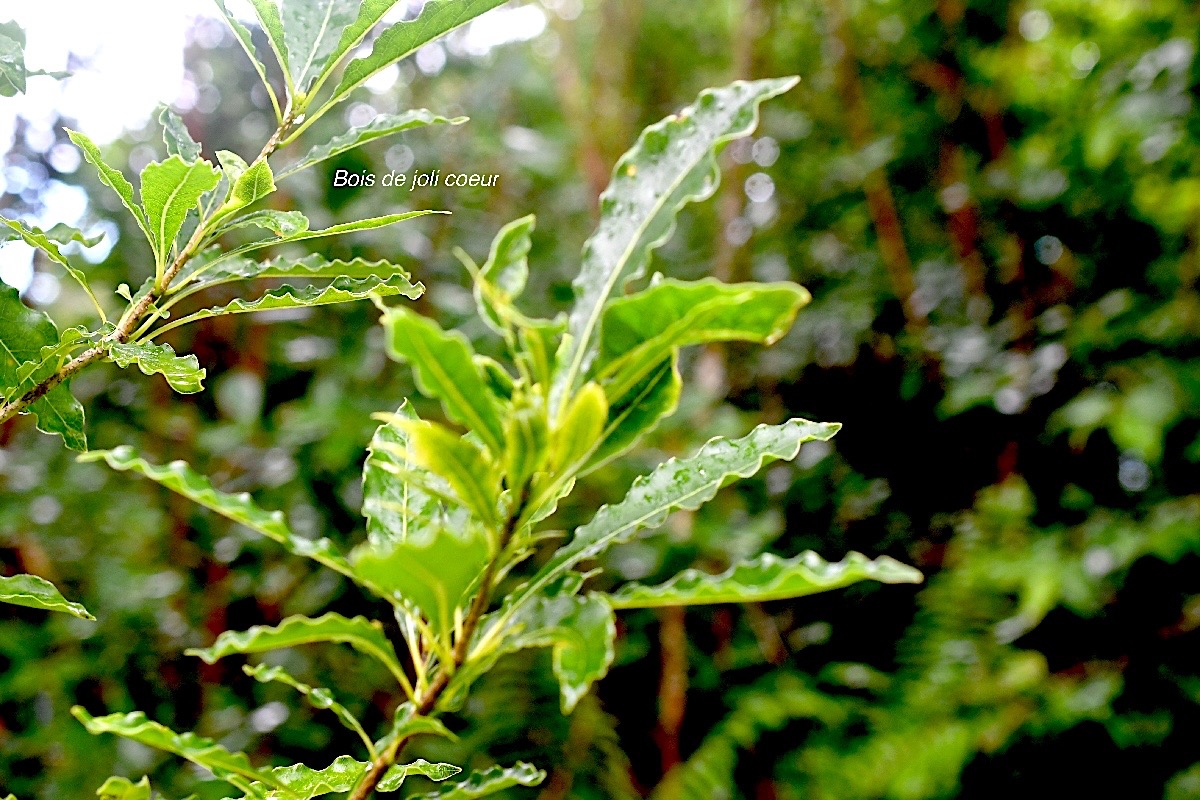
x=996, y=207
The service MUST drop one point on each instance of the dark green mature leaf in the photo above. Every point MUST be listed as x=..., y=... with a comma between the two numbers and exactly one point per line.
x=342, y=290
x=233, y=767
x=767, y=577
x=170, y=189
x=444, y=368
x=637, y=412
x=678, y=484
x=394, y=778
x=503, y=277
x=639, y=332
x=312, y=31
x=488, y=782
x=111, y=178
x=34, y=592
x=178, y=139
x=673, y=164
x=360, y=633
x=24, y=335
x=317, y=697
x=382, y=126
x=116, y=788
x=36, y=237
x=241, y=508
x=433, y=571
x=437, y=18
x=246, y=40
x=183, y=373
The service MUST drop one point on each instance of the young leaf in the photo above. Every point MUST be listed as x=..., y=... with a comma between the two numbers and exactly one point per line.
x=170, y=189
x=503, y=277
x=283, y=224
x=432, y=571
x=360, y=633
x=393, y=779
x=317, y=697
x=395, y=508
x=767, y=577
x=111, y=178
x=463, y=465
x=312, y=31
x=581, y=428
x=34, y=592
x=24, y=336
x=437, y=18
x=240, y=508
x=342, y=290
x=445, y=370
x=255, y=183
x=378, y=128
x=673, y=164
x=676, y=485
x=36, y=237
x=233, y=165
x=183, y=373
x=526, y=445
x=246, y=40
x=234, y=767
x=124, y=789
x=178, y=139
x=302, y=782
x=487, y=782
x=637, y=412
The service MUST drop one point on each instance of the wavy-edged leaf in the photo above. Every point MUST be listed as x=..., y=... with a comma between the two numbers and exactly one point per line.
x=31, y=591
x=767, y=577
x=25, y=334
x=483, y=783
x=317, y=696
x=233, y=767
x=312, y=30
x=240, y=508
x=170, y=189
x=637, y=412
x=502, y=279
x=407, y=723
x=360, y=633
x=284, y=224
x=39, y=239
x=445, y=369
x=437, y=18
x=116, y=788
x=183, y=373
x=60, y=233
x=639, y=332
x=302, y=782
x=176, y=136
x=342, y=290
x=673, y=164
x=382, y=126
x=676, y=485
x=394, y=778
x=311, y=267
x=111, y=178
x=246, y=40
x=432, y=572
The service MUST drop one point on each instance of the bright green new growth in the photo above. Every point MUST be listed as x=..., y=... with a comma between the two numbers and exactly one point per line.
x=454, y=508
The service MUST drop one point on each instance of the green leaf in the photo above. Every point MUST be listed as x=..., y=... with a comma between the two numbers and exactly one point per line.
x=345, y=227
x=487, y=782
x=407, y=723
x=13, y=72
x=183, y=373
x=60, y=233
x=317, y=697
x=170, y=189
x=31, y=591
x=124, y=789
x=302, y=782
x=463, y=465
x=445, y=370
x=580, y=430
x=503, y=277
x=360, y=633
x=272, y=25
x=382, y=126
x=342, y=290
x=25, y=334
x=283, y=224
x=433, y=571
x=437, y=18
x=637, y=412
x=394, y=778
x=232, y=767
x=240, y=508
x=233, y=165
x=673, y=164
x=310, y=267
x=111, y=178
x=312, y=31
x=767, y=577
x=251, y=186
x=394, y=506
x=246, y=40
x=178, y=139
x=676, y=485
x=526, y=445
x=36, y=237
x=641, y=331
x=369, y=14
